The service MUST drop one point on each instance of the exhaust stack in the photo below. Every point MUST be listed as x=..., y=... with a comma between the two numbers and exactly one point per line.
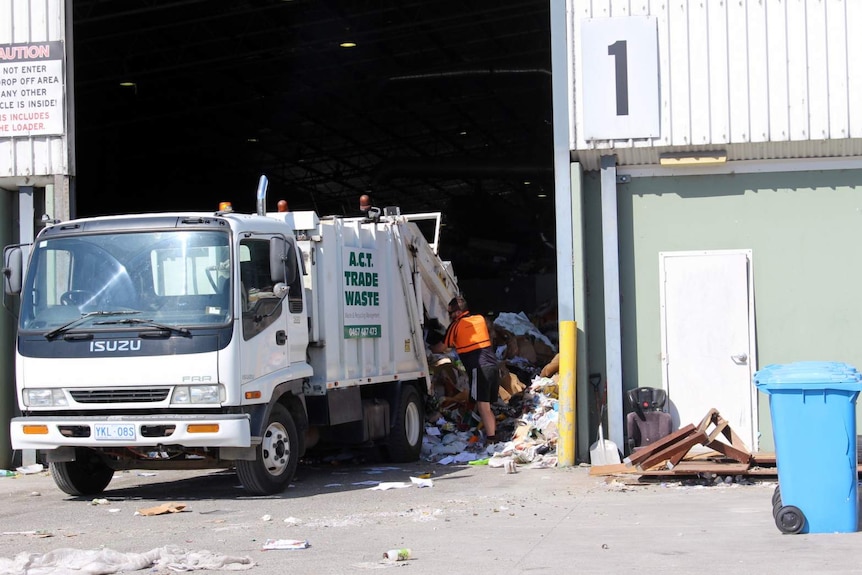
x=261, y=195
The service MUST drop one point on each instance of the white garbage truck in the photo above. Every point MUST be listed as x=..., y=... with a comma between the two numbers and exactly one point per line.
x=222, y=340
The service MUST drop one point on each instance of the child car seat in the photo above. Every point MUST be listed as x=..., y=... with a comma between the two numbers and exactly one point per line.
x=647, y=422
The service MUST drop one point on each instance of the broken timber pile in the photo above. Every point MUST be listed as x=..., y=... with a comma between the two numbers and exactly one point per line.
x=670, y=455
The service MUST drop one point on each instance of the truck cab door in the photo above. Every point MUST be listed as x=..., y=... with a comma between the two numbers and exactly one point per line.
x=264, y=322
x=297, y=320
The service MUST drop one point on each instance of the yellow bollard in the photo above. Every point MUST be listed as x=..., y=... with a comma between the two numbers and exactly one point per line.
x=566, y=443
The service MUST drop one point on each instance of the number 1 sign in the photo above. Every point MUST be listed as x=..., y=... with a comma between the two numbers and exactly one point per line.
x=620, y=82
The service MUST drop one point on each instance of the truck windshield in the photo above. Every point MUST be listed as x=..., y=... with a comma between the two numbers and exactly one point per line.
x=172, y=278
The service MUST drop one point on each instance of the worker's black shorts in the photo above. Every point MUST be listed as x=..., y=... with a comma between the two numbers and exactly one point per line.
x=485, y=384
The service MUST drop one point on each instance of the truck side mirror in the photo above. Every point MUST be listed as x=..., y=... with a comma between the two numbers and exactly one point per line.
x=12, y=270
x=282, y=261
x=290, y=262
x=276, y=259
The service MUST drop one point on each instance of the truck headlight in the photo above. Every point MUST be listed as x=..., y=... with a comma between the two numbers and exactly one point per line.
x=45, y=398
x=198, y=394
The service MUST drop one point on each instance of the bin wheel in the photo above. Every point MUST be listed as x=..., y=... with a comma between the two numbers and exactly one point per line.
x=790, y=519
x=776, y=495
x=776, y=507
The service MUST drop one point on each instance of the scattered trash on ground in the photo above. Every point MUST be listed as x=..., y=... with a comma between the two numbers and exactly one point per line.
x=278, y=544
x=527, y=409
x=38, y=533
x=107, y=561
x=99, y=501
x=30, y=469
x=386, y=485
x=162, y=509
x=397, y=554
x=421, y=482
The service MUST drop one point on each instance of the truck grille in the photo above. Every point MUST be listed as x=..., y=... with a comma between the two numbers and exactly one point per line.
x=120, y=395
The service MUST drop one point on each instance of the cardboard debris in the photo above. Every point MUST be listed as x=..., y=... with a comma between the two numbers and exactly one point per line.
x=526, y=413
x=510, y=383
x=162, y=509
x=552, y=367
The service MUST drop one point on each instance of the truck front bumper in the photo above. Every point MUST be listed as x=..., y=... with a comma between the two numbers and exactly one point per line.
x=52, y=432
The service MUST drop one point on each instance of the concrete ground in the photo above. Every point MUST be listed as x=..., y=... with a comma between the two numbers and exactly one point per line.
x=473, y=519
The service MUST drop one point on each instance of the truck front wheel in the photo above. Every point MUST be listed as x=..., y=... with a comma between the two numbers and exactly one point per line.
x=405, y=437
x=87, y=475
x=277, y=456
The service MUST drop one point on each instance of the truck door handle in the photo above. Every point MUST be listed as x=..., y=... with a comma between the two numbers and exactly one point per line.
x=739, y=358
x=280, y=337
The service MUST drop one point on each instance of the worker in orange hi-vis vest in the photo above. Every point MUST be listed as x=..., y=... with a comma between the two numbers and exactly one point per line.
x=468, y=335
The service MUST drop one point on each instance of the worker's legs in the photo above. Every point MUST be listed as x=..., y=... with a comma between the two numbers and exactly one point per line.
x=487, y=390
x=488, y=419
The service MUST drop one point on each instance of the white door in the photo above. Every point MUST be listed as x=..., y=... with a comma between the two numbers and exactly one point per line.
x=707, y=325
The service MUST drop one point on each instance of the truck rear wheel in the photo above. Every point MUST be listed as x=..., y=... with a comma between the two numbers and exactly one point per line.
x=87, y=475
x=277, y=456
x=405, y=437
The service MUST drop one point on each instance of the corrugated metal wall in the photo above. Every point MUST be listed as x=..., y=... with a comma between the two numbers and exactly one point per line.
x=744, y=71
x=22, y=158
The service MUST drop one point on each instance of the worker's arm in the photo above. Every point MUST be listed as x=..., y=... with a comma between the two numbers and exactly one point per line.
x=438, y=348
x=436, y=336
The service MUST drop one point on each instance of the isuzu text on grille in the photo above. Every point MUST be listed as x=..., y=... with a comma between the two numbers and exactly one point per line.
x=115, y=345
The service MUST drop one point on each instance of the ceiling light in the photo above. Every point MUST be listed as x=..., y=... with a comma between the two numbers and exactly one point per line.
x=693, y=158
x=128, y=84
x=541, y=195
x=527, y=182
x=252, y=140
x=463, y=132
x=348, y=44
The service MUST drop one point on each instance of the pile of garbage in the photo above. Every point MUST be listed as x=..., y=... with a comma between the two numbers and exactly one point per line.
x=527, y=409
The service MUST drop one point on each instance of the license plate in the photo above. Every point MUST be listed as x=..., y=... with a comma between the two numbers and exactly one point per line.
x=114, y=431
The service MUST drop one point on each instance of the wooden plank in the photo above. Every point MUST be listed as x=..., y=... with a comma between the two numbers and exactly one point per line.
x=763, y=458
x=645, y=452
x=611, y=469
x=679, y=447
x=710, y=467
x=728, y=433
x=739, y=455
x=707, y=419
x=701, y=455
x=762, y=471
x=695, y=467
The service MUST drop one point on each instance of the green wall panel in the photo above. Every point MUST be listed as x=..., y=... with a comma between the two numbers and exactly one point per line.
x=803, y=229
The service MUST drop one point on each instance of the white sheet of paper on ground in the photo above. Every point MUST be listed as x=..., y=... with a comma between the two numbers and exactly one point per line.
x=390, y=485
x=272, y=544
x=419, y=482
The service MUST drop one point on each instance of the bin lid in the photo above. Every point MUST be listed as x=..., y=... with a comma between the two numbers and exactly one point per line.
x=809, y=375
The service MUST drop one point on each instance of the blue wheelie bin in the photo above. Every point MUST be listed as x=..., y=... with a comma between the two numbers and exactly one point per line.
x=813, y=410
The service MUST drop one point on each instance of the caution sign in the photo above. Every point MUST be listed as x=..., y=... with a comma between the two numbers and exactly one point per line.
x=32, y=88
